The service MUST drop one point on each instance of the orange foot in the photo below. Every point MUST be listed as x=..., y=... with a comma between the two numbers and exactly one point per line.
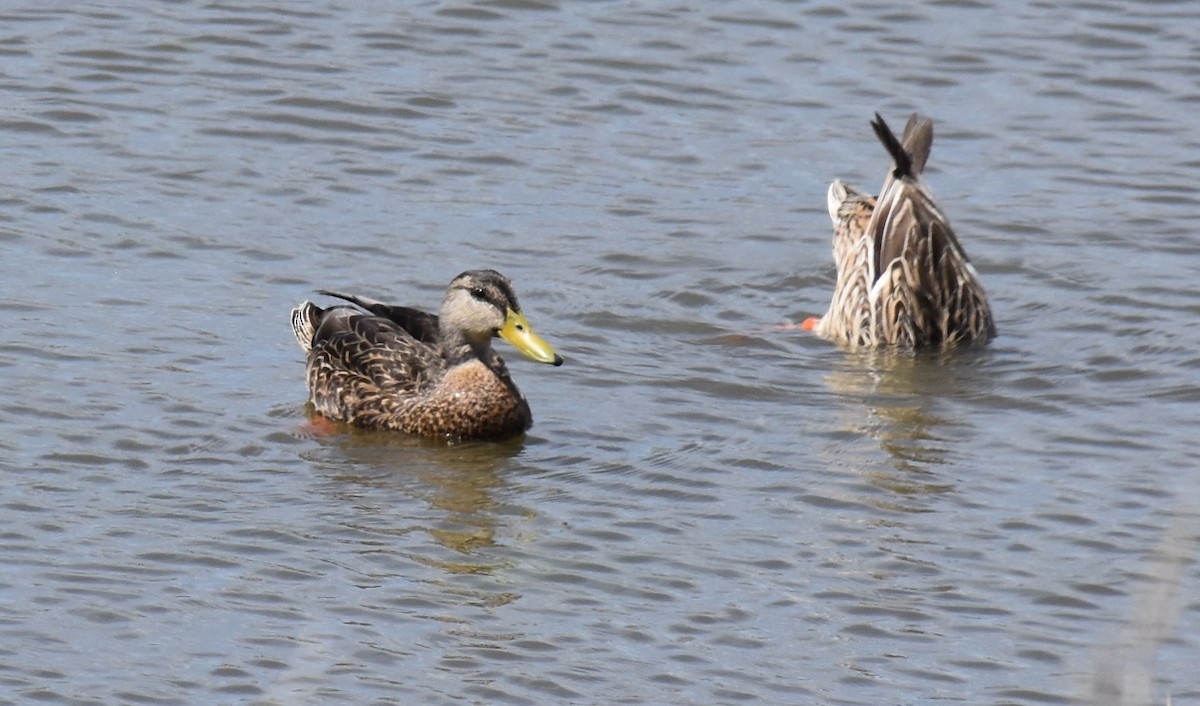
x=809, y=324
x=316, y=425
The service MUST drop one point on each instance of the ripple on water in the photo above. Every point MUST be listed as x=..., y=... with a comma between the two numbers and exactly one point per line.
x=709, y=509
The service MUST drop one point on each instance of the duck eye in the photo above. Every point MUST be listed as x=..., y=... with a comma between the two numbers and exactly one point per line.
x=478, y=293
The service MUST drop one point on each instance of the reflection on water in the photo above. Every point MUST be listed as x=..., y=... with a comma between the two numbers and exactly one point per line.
x=900, y=400
x=457, y=480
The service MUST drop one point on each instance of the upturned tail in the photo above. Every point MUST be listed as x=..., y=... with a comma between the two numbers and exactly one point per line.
x=912, y=150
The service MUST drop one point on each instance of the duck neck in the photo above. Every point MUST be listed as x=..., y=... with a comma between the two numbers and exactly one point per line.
x=460, y=348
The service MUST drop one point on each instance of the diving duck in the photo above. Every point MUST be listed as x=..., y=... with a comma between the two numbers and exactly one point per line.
x=380, y=366
x=903, y=279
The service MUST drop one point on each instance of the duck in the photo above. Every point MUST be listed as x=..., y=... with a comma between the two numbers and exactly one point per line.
x=903, y=278
x=381, y=366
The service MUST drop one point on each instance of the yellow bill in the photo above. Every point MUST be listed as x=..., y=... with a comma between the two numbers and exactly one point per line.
x=518, y=332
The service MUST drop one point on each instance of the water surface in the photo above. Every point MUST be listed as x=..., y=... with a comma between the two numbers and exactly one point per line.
x=708, y=509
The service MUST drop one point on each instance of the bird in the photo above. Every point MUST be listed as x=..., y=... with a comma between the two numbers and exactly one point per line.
x=903, y=278
x=380, y=366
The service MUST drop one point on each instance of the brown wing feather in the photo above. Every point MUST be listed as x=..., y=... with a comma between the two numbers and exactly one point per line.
x=361, y=365
x=423, y=326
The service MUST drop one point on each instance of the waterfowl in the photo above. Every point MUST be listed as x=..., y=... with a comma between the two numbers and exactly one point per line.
x=380, y=366
x=903, y=279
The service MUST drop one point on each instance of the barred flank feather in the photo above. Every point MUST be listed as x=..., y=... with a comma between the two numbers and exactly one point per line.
x=304, y=323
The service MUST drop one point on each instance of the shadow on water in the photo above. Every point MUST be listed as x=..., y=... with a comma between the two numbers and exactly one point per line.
x=905, y=403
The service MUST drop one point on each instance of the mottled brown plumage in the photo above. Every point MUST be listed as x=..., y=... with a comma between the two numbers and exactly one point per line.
x=390, y=367
x=903, y=279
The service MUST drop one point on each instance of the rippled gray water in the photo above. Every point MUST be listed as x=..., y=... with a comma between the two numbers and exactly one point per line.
x=708, y=510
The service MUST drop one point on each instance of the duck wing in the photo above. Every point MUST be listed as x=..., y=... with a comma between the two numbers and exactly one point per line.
x=365, y=354
x=420, y=325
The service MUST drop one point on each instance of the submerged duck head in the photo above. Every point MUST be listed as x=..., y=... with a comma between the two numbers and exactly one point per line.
x=481, y=304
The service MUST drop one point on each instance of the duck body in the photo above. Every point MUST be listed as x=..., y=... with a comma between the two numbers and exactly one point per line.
x=903, y=279
x=380, y=366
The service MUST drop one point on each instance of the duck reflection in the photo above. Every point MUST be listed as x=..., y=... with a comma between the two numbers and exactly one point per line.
x=901, y=394
x=456, y=483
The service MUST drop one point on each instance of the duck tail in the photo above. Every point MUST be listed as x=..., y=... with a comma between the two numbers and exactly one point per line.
x=304, y=323
x=911, y=152
x=899, y=155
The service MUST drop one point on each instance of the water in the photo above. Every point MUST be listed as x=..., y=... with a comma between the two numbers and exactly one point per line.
x=708, y=509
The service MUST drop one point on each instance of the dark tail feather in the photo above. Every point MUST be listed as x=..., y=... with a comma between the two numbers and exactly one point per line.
x=899, y=155
x=375, y=307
